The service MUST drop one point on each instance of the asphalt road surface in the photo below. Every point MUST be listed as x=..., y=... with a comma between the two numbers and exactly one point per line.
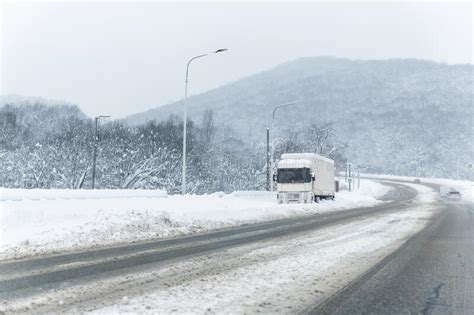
x=30, y=277
x=433, y=273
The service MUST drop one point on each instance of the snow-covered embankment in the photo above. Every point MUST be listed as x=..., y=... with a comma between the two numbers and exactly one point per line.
x=43, y=221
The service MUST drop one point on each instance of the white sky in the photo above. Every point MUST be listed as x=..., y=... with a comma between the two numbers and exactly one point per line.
x=119, y=58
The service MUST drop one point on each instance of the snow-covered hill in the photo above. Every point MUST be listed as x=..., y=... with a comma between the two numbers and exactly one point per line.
x=390, y=113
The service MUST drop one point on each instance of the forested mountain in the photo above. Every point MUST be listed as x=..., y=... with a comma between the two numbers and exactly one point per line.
x=44, y=146
x=395, y=116
x=389, y=115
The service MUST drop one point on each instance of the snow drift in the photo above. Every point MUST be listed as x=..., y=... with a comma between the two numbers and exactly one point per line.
x=45, y=221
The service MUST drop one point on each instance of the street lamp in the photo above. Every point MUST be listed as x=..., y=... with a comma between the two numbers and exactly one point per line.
x=270, y=165
x=96, y=143
x=183, y=178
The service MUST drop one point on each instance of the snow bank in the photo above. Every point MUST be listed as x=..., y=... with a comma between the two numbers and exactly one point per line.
x=7, y=194
x=40, y=221
x=285, y=277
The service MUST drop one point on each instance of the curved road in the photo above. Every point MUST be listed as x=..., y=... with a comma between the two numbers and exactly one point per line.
x=29, y=277
x=432, y=273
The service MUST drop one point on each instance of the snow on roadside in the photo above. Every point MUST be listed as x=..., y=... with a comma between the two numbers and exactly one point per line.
x=426, y=195
x=285, y=276
x=303, y=271
x=10, y=194
x=43, y=221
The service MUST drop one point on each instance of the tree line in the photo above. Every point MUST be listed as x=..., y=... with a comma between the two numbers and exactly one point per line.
x=45, y=146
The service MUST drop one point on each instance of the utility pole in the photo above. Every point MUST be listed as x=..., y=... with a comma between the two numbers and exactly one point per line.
x=183, y=172
x=457, y=168
x=349, y=175
x=96, y=144
x=419, y=168
x=345, y=173
x=358, y=177
x=268, y=160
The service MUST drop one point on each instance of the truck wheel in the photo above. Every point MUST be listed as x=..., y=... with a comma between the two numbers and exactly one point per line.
x=317, y=199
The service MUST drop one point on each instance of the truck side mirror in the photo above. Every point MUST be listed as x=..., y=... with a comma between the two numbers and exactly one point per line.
x=313, y=177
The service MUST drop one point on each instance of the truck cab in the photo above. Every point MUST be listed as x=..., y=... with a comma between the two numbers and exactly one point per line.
x=304, y=178
x=294, y=181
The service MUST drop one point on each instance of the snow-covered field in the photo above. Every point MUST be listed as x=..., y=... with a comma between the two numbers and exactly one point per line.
x=43, y=221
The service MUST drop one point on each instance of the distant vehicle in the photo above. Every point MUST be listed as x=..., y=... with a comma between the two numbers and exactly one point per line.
x=454, y=195
x=304, y=178
x=450, y=193
x=417, y=181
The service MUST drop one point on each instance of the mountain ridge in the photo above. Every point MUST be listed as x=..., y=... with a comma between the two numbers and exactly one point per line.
x=328, y=72
x=368, y=101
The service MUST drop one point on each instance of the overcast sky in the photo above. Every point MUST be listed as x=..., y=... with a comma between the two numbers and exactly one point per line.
x=119, y=58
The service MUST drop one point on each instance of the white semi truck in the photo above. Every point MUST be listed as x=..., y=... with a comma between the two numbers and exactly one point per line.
x=304, y=178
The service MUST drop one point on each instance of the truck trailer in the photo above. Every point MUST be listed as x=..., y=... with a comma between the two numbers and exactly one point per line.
x=304, y=178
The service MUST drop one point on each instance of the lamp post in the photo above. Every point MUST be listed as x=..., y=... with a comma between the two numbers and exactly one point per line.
x=96, y=143
x=269, y=180
x=183, y=174
x=270, y=165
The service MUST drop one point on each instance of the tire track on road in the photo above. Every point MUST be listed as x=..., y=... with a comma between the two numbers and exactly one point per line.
x=26, y=277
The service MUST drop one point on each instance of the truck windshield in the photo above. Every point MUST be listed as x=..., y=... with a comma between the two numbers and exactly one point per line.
x=293, y=175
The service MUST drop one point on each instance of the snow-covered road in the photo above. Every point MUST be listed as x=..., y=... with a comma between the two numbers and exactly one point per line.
x=273, y=277
x=283, y=276
x=35, y=222
x=288, y=273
